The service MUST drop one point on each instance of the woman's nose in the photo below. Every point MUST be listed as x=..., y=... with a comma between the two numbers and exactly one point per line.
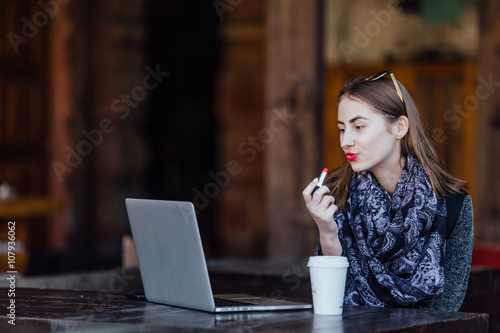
x=346, y=140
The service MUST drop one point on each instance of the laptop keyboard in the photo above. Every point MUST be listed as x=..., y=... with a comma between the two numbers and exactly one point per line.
x=224, y=303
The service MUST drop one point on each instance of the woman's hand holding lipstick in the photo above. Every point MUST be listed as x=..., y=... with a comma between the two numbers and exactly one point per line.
x=322, y=206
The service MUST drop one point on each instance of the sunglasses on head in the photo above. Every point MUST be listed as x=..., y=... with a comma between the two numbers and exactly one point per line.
x=396, y=85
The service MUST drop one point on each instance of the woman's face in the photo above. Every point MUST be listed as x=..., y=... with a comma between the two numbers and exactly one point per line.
x=369, y=142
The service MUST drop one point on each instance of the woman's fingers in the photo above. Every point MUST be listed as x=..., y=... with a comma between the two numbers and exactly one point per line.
x=321, y=205
x=331, y=209
x=320, y=194
x=328, y=206
x=308, y=190
x=326, y=200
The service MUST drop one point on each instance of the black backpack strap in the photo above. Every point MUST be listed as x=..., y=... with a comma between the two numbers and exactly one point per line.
x=454, y=203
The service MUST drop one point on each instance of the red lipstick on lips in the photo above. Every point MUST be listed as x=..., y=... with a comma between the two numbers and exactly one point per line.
x=351, y=156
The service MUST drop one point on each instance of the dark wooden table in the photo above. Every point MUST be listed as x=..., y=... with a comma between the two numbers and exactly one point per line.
x=105, y=308
x=46, y=310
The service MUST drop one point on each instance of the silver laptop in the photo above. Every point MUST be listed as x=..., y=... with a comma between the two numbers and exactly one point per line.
x=172, y=262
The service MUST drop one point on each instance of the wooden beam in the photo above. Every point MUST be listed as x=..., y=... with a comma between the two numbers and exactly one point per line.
x=293, y=113
x=487, y=116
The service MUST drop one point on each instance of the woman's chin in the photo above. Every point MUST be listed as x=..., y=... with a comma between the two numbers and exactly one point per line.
x=356, y=167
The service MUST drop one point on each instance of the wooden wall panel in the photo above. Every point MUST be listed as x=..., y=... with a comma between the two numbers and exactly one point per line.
x=23, y=100
x=23, y=121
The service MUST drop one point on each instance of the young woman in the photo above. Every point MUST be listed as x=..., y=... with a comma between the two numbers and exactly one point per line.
x=404, y=223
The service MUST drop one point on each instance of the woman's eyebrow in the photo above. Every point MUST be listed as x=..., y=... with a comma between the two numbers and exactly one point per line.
x=352, y=120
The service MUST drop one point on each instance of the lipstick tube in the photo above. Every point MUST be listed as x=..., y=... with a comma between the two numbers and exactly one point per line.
x=322, y=177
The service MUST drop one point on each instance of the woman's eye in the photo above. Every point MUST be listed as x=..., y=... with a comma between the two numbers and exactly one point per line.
x=359, y=127
x=341, y=130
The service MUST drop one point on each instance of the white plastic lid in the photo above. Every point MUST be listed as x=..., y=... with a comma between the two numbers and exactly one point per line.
x=327, y=261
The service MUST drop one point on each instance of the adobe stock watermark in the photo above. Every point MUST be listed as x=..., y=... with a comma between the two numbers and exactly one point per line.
x=295, y=276
x=40, y=19
x=95, y=136
x=222, y=6
x=456, y=115
x=249, y=148
x=372, y=29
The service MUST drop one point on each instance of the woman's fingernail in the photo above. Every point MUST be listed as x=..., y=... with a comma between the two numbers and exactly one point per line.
x=315, y=179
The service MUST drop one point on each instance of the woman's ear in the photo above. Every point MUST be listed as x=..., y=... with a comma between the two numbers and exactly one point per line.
x=402, y=127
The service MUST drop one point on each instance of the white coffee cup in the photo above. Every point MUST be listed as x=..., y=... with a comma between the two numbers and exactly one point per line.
x=328, y=275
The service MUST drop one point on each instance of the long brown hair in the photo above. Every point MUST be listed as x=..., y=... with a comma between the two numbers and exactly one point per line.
x=382, y=97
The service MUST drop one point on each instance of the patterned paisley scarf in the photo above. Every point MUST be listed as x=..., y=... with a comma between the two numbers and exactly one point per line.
x=395, y=246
